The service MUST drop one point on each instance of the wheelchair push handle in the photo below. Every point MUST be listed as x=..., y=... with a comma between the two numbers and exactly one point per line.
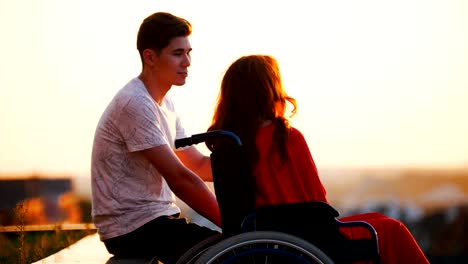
x=202, y=137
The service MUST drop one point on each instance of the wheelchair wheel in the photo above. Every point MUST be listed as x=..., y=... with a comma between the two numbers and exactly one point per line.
x=193, y=253
x=263, y=247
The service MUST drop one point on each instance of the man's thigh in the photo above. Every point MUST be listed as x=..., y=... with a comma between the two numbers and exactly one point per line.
x=165, y=238
x=179, y=236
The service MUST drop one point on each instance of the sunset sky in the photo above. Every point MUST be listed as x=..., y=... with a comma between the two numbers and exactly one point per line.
x=377, y=83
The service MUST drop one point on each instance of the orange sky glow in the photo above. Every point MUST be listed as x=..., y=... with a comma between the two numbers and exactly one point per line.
x=377, y=83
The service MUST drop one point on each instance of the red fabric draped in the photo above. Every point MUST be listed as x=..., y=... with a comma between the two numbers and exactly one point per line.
x=297, y=180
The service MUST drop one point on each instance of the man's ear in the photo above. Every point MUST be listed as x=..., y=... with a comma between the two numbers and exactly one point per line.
x=149, y=56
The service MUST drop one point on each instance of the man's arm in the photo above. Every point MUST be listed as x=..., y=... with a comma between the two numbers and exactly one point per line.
x=184, y=183
x=197, y=162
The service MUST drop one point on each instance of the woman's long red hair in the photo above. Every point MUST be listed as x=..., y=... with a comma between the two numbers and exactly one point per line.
x=251, y=93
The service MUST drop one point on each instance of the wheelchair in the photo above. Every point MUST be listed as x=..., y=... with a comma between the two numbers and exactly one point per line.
x=290, y=233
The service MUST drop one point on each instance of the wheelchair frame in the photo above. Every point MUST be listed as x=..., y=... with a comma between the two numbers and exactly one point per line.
x=241, y=241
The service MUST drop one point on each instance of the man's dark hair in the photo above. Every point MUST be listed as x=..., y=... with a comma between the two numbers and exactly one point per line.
x=157, y=30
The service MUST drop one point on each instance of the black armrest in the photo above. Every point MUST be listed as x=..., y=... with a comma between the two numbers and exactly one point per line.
x=374, y=245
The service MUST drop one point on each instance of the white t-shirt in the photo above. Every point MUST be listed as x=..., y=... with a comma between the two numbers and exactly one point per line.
x=127, y=190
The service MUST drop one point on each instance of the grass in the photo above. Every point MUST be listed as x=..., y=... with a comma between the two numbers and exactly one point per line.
x=36, y=245
x=30, y=246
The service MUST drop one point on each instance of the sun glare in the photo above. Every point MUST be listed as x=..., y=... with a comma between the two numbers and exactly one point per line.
x=377, y=84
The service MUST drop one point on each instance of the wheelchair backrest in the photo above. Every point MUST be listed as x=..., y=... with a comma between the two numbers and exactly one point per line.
x=234, y=187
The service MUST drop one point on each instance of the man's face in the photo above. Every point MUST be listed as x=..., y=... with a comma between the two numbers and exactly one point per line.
x=171, y=66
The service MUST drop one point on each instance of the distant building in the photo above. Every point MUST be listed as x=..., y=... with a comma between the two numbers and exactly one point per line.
x=40, y=197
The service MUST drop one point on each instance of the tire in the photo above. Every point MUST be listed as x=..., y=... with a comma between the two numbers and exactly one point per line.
x=193, y=253
x=263, y=247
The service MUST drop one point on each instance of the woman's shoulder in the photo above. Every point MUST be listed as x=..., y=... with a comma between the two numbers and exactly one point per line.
x=270, y=128
x=296, y=138
x=295, y=133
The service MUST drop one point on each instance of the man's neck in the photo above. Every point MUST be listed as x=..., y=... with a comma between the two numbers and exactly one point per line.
x=155, y=89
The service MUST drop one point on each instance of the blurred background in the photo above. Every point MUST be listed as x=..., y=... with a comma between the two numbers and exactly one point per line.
x=381, y=89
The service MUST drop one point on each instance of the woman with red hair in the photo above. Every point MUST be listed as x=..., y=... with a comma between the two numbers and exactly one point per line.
x=252, y=104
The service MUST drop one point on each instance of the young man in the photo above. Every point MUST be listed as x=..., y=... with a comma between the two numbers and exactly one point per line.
x=135, y=169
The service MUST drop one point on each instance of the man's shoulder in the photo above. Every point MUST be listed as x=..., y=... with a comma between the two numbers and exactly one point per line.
x=130, y=96
x=134, y=91
x=134, y=86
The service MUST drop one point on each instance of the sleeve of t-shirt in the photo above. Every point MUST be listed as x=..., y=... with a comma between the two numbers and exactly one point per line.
x=140, y=124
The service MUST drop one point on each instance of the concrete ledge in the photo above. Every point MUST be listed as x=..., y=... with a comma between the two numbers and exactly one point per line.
x=51, y=227
x=89, y=250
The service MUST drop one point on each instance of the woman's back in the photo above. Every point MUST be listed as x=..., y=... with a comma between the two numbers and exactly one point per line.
x=294, y=181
